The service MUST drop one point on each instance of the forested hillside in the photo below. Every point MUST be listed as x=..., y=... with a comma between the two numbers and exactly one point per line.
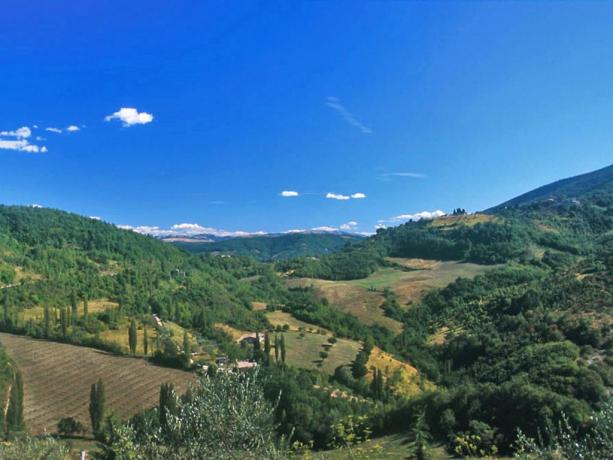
x=273, y=247
x=576, y=223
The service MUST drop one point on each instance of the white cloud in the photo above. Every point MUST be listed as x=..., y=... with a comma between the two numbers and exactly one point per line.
x=73, y=129
x=21, y=133
x=21, y=145
x=186, y=229
x=54, y=130
x=95, y=218
x=341, y=197
x=335, y=104
x=289, y=193
x=34, y=205
x=349, y=226
x=427, y=215
x=337, y=196
x=130, y=116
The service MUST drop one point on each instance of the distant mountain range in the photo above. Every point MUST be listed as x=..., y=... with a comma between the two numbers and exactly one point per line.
x=267, y=247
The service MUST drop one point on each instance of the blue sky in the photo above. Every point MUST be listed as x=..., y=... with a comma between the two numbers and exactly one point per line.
x=417, y=106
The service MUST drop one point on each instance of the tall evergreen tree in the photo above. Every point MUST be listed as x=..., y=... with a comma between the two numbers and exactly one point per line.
x=74, y=307
x=282, y=343
x=132, y=336
x=14, y=412
x=6, y=317
x=277, y=348
x=419, y=439
x=145, y=341
x=64, y=321
x=168, y=404
x=187, y=350
x=97, y=400
x=85, y=308
x=266, y=348
x=47, y=321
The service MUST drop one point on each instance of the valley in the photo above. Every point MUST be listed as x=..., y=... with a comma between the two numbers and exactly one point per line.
x=467, y=327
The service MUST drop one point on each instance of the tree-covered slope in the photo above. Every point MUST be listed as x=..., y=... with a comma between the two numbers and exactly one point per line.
x=577, y=226
x=577, y=187
x=274, y=247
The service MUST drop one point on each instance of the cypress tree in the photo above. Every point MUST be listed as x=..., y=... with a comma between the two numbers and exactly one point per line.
x=145, y=342
x=132, y=336
x=74, y=308
x=14, y=412
x=47, y=319
x=64, y=322
x=85, y=308
x=187, y=350
x=97, y=397
x=283, y=348
x=168, y=404
x=277, y=348
x=6, y=318
x=266, y=348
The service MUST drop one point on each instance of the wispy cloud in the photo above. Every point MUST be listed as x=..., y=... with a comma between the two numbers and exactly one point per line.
x=335, y=104
x=73, y=129
x=54, y=130
x=130, y=117
x=18, y=141
x=289, y=193
x=358, y=196
x=410, y=175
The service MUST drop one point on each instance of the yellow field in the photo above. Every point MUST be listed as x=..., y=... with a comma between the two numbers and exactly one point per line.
x=363, y=298
x=304, y=351
x=258, y=306
x=236, y=334
x=403, y=378
x=467, y=219
x=94, y=306
x=120, y=336
x=280, y=318
x=57, y=379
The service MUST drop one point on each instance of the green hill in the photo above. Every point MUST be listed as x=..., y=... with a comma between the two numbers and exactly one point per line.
x=577, y=187
x=577, y=226
x=274, y=247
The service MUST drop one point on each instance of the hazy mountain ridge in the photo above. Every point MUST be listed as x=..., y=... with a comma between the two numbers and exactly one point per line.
x=269, y=247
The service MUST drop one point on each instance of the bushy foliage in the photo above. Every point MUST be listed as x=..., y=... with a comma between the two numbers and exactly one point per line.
x=226, y=416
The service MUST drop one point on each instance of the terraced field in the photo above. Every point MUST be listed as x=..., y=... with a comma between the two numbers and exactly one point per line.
x=57, y=379
x=303, y=351
x=363, y=298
